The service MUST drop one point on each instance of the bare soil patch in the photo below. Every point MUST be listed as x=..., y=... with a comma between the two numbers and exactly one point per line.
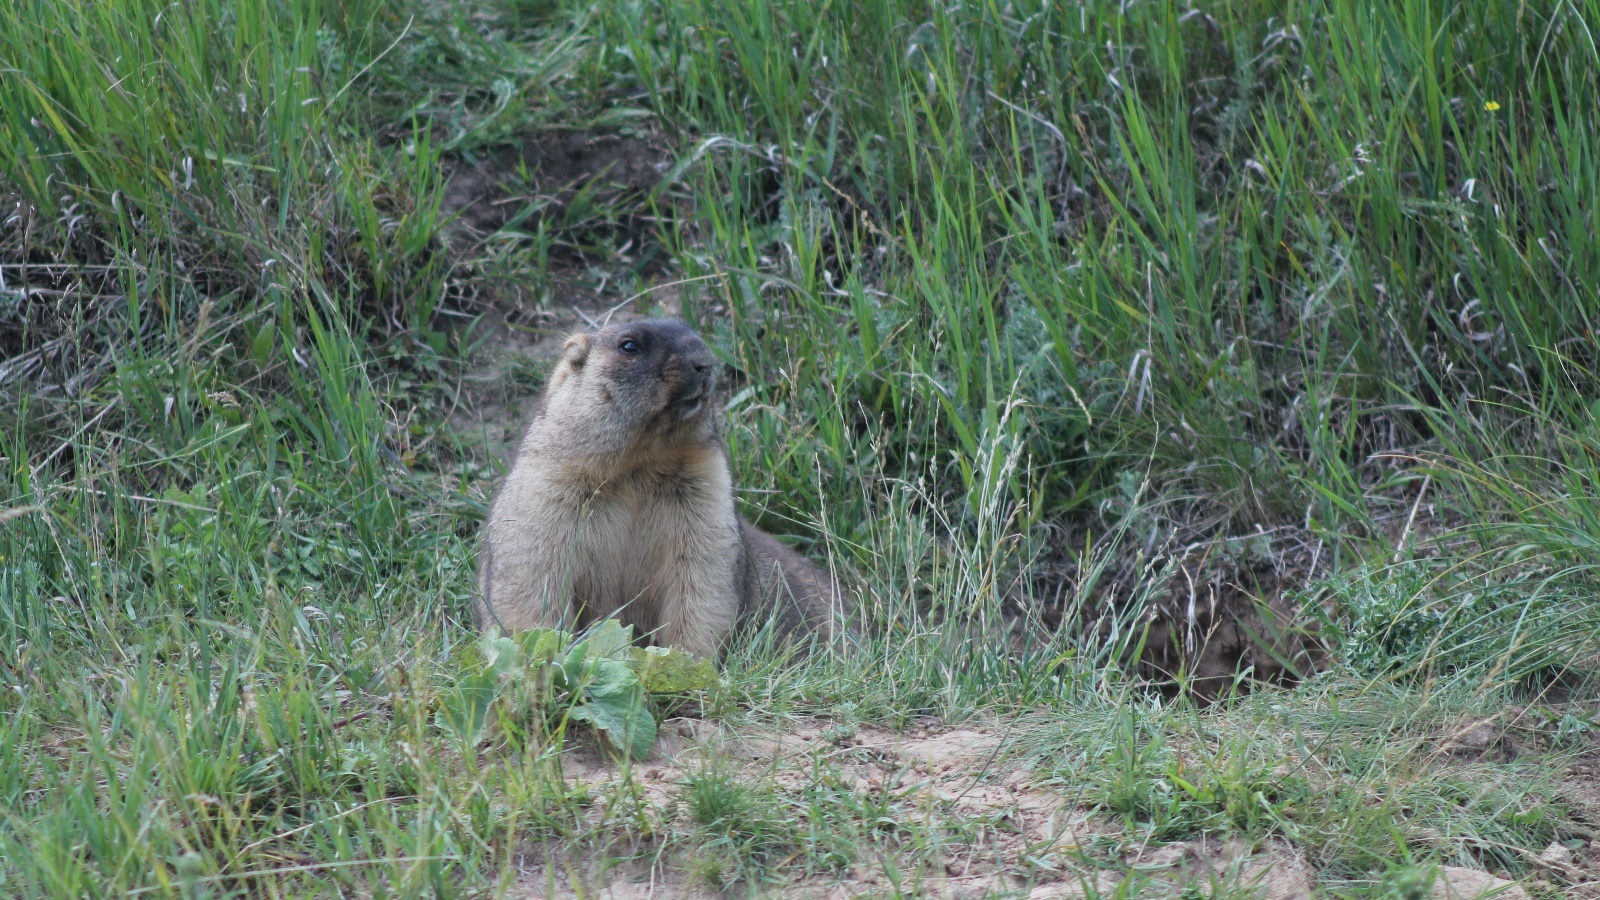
x=540, y=178
x=1274, y=871
x=1573, y=863
x=1009, y=834
x=953, y=776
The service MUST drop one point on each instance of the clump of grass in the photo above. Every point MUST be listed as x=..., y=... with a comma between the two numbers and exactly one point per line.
x=173, y=162
x=740, y=833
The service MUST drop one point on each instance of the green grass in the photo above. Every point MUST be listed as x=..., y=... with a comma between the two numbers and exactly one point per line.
x=1044, y=322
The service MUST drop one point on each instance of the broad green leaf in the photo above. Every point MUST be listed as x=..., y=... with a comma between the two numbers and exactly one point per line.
x=615, y=706
x=575, y=664
x=500, y=654
x=626, y=727
x=464, y=710
x=540, y=645
x=609, y=638
x=663, y=670
x=613, y=678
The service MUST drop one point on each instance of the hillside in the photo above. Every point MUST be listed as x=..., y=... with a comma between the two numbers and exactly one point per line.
x=1200, y=404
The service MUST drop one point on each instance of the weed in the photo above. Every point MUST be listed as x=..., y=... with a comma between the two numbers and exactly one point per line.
x=739, y=837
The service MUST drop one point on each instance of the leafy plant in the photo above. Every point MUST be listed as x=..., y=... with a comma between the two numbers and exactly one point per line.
x=1380, y=623
x=1418, y=616
x=549, y=678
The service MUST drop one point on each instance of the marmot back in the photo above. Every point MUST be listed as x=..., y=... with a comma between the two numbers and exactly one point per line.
x=619, y=502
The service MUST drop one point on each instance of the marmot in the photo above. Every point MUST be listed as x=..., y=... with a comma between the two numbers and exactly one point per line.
x=619, y=502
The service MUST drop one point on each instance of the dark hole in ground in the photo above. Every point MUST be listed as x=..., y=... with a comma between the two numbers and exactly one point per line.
x=1229, y=617
x=586, y=189
x=1241, y=629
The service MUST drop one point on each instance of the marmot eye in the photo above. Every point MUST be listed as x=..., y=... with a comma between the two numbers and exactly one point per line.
x=629, y=346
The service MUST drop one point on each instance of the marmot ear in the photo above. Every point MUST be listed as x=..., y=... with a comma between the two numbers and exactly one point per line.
x=576, y=351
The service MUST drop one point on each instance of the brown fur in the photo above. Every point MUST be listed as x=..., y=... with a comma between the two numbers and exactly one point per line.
x=619, y=503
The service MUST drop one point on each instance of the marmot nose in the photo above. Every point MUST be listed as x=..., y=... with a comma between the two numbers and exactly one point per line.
x=696, y=373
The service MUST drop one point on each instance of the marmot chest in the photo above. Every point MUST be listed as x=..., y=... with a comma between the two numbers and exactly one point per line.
x=636, y=535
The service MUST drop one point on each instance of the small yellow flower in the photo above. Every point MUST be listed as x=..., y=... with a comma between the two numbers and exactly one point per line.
x=1491, y=106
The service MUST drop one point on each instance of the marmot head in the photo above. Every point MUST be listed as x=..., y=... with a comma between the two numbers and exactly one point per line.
x=637, y=382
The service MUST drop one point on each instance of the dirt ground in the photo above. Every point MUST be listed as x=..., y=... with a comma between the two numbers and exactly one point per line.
x=970, y=775
x=955, y=774
x=548, y=172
